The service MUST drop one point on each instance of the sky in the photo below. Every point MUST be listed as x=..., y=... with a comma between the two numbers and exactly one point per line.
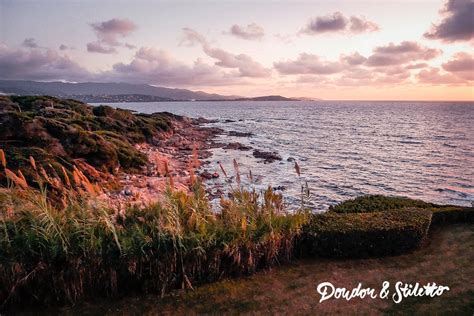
x=340, y=50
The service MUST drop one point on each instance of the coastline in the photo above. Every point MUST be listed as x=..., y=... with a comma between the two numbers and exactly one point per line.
x=57, y=246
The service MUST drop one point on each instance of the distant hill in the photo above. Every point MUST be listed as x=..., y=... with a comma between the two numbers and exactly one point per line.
x=266, y=98
x=63, y=89
x=118, y=98
x=118, y=92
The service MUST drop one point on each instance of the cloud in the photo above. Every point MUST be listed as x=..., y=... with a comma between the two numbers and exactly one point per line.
x=98, y=47
x=108, y=34
x=461, y=66
x=110, y=30
x=38, y=65
x=148, y=66
x=245, y=65
x=387, y=65
x=154, y=66
x=398, y=54
x=307, y=64
x=457, y=24
x=337, y=22
x=285, y=38
x=416, y=66
x=361, y=25
x=30, y=43
x=433, y=76
x=249, y=32
x=329, y=23
x=354, y=59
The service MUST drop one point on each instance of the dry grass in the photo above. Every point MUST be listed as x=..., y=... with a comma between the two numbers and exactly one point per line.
x=58, y=244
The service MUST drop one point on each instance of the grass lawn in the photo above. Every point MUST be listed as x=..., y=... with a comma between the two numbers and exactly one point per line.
x=446, y=260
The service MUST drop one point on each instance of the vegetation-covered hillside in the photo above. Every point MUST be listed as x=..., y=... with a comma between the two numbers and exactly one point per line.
x=60, y=131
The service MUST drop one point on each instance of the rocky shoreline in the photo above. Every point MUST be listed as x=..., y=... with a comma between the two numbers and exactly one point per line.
x=187, y=140
x=173, y=154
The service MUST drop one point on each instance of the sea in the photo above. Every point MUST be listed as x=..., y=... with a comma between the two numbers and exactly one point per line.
x=421, y=150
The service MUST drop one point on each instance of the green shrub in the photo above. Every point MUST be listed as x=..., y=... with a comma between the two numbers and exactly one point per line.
x=376, y=203
x=364, y=234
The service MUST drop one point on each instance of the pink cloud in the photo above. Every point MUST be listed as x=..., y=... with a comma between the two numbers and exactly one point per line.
x=434, y=76
x=108, y=34
x=249, y=32
x=155, y=66
x=307, y=64
x=244, y=64
x=398, y=54
x=462, y=65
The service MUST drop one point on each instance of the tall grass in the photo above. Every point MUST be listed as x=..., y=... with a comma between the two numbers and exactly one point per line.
x=72, y=246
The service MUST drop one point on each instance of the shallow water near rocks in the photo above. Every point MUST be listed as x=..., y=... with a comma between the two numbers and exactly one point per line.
x=421, y=150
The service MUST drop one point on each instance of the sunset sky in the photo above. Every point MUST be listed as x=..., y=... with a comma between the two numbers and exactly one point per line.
x=412, y=50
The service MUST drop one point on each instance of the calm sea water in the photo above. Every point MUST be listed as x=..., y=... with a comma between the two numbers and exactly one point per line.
x=420, y=150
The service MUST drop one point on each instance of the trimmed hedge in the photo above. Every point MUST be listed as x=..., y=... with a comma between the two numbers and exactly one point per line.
x=442, y=214
x=377, y=203
x=364, y=234
x=452, y=214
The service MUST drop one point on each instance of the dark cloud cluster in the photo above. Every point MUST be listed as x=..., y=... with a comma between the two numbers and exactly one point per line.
x=457, y=23
x=337, y=22
x=108, y=34
x=249, y=32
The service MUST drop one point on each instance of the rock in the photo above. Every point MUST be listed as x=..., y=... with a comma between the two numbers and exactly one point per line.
x=267, y=156
x=201, y=120
x=239, y=134
x=279, y=188
x=229, y=121
x=208, y=176
x=237, y=146
x=290, y=159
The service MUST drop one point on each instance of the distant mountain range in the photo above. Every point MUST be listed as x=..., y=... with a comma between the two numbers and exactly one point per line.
x=118, y=92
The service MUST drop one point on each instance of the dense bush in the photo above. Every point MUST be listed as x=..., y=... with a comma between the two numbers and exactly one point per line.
x=364, y=234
